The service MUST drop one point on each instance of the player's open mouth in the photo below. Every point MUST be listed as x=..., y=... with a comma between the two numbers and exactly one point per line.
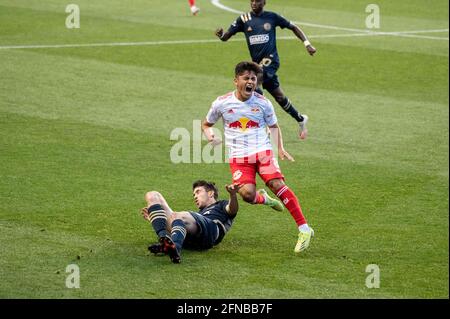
x=249, y=88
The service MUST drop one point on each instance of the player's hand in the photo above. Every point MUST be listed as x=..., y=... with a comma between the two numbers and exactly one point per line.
x=311, y=50
x=285, y=155
x=215, y=141
x=219, y=32
x=145, y=213
x=233, y=188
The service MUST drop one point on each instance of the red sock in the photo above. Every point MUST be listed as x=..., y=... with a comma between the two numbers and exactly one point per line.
x=290, y=201
x=191, y=3
x=259, y=199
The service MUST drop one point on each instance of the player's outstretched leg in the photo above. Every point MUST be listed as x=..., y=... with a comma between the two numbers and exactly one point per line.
x=301, y=119
x=250, y=195
x=178, y=235
x=290, y=201
x=289, y=108
x=158, y=219
x=271, y=202
x=158, y=213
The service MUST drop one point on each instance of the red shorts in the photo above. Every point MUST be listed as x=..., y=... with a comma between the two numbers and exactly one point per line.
x=244, y=169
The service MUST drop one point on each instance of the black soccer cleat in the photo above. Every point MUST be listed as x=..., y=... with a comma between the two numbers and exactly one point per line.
x=170, y=249
x=162, y=246
x=175, y=256
x=156, y=249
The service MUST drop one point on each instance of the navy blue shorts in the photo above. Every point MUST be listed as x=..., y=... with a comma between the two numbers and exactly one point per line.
x=208, y=235
x=270, y=78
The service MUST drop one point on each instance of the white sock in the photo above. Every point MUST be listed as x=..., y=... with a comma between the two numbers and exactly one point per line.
x=303, y=228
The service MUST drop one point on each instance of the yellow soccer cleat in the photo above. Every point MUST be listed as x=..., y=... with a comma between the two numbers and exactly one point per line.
x=272, y=202
x=304, y=238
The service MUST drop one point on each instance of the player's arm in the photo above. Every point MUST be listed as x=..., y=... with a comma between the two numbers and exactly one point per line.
x=275, y=133
x=236, y=26
x=302, y=36
x=209, y=121
x=224, y=36
x=233, y=205
x=209, y=133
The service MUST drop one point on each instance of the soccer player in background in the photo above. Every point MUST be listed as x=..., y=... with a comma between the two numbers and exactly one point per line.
x=192, y=230
x=247, y=115
x=259, y=27
x=194, y=8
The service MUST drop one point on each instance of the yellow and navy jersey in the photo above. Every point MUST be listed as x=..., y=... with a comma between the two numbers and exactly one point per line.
x=260, y=33
x=218, y=213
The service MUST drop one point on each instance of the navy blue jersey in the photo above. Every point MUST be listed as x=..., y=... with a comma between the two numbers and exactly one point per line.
x=217, y=212
x=260, y=32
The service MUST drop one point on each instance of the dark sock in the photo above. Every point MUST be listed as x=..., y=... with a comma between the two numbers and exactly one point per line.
x=158, y=219
x=178, y=233
x=290, y=109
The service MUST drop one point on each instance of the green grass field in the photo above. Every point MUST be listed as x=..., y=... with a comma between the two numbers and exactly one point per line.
x=85, y=132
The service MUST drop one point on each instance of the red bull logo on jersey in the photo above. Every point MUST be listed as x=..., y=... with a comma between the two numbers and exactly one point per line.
x=243, y=124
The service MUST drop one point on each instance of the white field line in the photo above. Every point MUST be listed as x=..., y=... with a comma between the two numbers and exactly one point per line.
x=409, y=34
x=199, y=41
x=221, y=6
x=358, y=33
x=110, y=44
x=144, y=43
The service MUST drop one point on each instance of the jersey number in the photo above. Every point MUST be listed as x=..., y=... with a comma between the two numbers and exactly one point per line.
x=265, y=62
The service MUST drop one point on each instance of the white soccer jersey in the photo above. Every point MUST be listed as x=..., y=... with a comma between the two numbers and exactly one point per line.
x=245, y=123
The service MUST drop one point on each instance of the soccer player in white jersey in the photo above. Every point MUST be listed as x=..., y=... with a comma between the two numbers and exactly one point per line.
x=247, y=118
x=259, y=27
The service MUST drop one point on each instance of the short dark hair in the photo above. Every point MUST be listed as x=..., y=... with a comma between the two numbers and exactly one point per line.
x=209, y=186
x=247, y=66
